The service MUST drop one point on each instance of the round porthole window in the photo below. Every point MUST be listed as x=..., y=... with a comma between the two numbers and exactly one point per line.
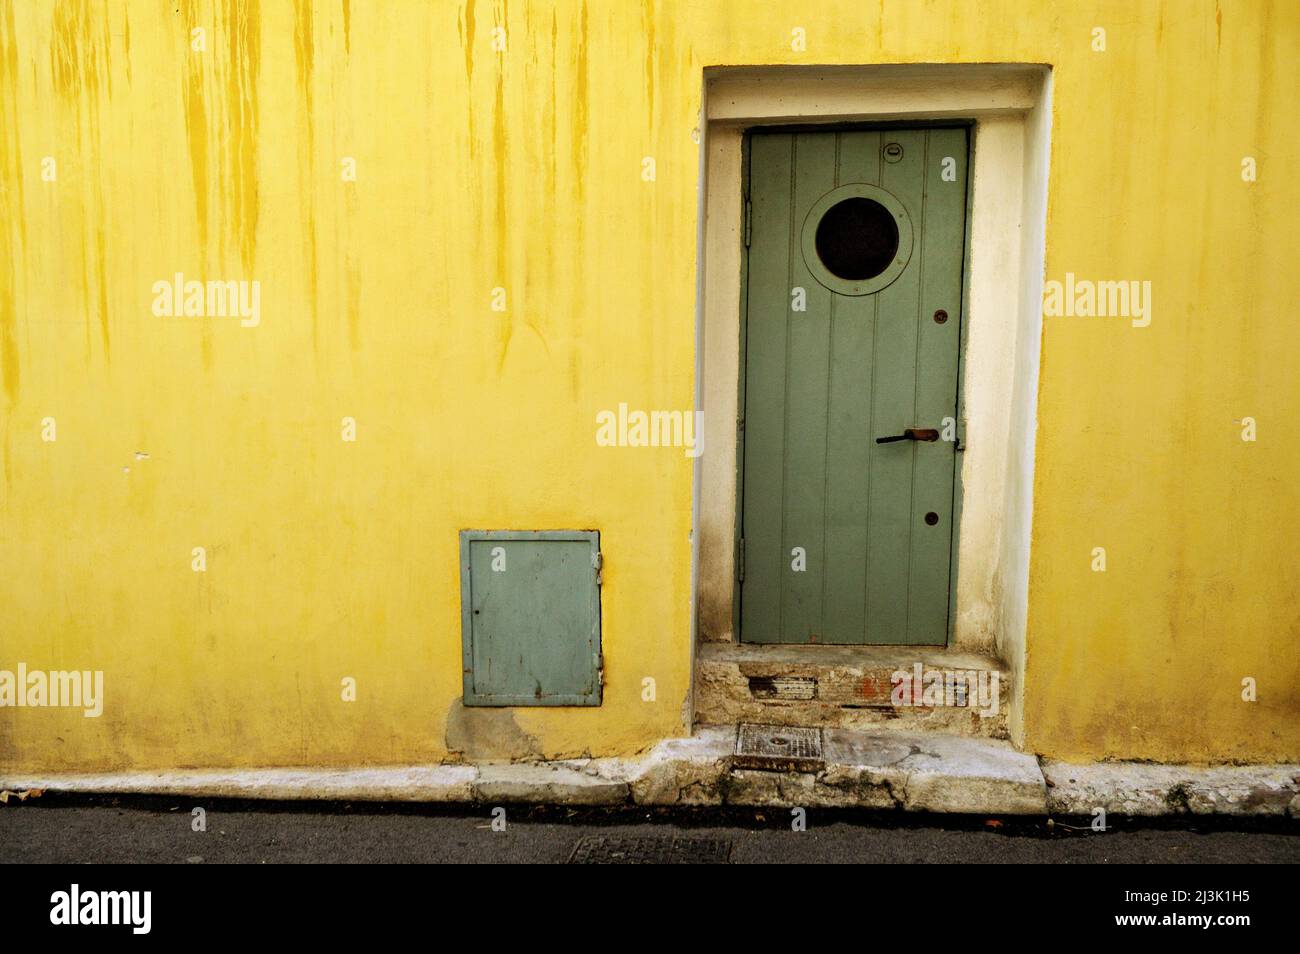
x=857, y=239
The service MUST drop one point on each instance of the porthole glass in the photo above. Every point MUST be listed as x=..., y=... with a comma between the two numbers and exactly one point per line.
x=857, y=239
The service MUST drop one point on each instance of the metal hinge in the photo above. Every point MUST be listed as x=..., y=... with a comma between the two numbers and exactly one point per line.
x=740, y=560
x=749, y=221
x=598, y=564
x=600, y=669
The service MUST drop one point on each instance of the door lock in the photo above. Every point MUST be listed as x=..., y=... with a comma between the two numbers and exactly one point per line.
x=911, y=434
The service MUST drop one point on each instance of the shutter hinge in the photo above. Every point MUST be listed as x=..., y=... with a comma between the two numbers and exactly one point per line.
x=600, y=669
x=749, y=221
x=598, y=564
x=740, y=560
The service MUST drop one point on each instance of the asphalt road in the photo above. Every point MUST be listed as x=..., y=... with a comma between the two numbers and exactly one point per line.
x=80, y=830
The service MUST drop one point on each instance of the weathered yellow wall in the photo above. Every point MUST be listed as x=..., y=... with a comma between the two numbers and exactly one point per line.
x=522, y=169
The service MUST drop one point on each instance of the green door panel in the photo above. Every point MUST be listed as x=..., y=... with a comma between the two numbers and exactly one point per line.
x=836, y=543
x=530, y=617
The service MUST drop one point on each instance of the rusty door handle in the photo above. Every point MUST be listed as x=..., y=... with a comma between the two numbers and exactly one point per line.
x=911, y=434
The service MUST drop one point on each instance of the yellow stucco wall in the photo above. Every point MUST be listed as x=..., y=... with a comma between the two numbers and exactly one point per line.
x=523, y=169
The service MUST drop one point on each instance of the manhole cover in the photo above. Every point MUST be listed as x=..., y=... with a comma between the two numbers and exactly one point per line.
x=778, y=748
x=649, y=850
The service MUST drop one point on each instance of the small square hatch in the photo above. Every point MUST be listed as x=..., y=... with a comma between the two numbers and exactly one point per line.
x=530, y=617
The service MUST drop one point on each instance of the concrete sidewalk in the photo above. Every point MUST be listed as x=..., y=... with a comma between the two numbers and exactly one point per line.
x=921, y=772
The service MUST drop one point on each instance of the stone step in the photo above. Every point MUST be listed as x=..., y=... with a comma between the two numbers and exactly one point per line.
x=853, y=687
x=911, y=771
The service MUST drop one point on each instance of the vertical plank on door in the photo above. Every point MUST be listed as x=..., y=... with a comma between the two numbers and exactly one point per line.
x=942, y=244
x=848, y=409
x=893, y=380
x=805, y=424
x=765, y=363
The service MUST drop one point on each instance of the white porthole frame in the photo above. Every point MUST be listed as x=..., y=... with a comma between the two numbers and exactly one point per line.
x=865, y=286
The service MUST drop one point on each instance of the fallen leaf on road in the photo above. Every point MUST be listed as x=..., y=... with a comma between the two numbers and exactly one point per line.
x=21, y=796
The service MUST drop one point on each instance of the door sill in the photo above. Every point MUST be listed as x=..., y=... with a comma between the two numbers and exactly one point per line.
x=822, y=654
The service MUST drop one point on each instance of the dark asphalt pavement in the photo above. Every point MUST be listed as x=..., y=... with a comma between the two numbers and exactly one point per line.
x=62, y=829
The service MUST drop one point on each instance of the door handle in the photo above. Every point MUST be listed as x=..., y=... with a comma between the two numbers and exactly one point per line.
x=911, y=434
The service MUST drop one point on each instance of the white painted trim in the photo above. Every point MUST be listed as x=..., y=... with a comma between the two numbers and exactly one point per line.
x=431, y=783
x=747, y=96
x=1023, y=426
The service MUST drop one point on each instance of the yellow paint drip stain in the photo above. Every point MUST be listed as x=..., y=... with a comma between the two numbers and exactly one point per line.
x=81, y=75
x=9, y=476
x=9, y=365
x=352, y=289
x=219, y=99
x=580, y=110
x=351, y=265
x=219, y=96
x=78, y=56
x=126, y=42
x=648, y=25
x=499, y=146
x=196, y=126
x=467, y=40
x=11, y=209
x=243, y=28
x=101, y=279
x=578, y=147
x=467, y=44
x=553, y=111
x=304, y=50
x=196, y=137
x=351, y=246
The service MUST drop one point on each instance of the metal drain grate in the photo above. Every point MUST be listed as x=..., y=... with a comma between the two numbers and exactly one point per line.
x=779, y=748
x=649, y=850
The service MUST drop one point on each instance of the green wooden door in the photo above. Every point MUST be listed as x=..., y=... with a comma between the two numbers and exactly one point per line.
x=853, y=288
